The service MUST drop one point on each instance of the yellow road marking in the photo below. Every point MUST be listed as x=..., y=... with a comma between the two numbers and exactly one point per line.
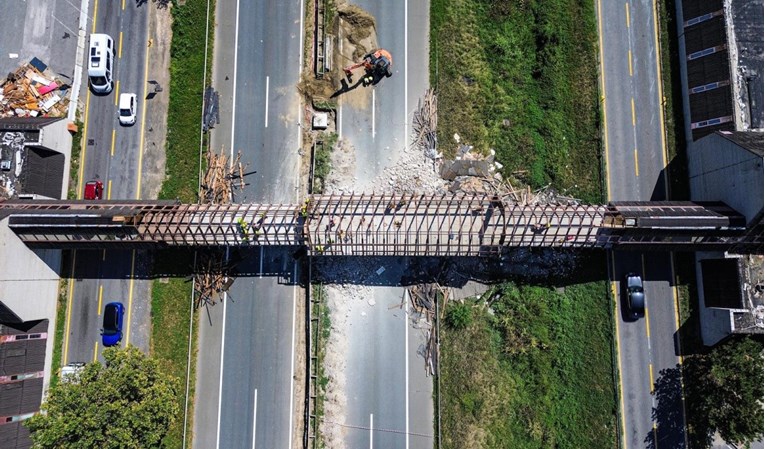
x=632, y=103
x=603, y=93
x=661, y=96
x=119, y=52
x=83, y=147
x=100, y=297
x=637, y=170
x=143, y=117
x=629, y=60
x=130, y=298
x=627, y=8
x=123, y=5
x=645, y=304
x=108, y=197
x=69, y=309
x=655, y=437
x=116, y=92
x=679, y=343
x=114, y=135
x=650, y=373
x=95, y=352
x=616, y=320
x=95, y=10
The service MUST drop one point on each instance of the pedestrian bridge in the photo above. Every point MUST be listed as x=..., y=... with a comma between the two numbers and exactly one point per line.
x=382, y=225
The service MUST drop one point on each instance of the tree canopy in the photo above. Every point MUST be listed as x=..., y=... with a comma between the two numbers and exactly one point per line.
x=125, y=403
x=724, y=390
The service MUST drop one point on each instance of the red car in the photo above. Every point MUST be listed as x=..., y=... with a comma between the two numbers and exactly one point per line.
x=94, y=190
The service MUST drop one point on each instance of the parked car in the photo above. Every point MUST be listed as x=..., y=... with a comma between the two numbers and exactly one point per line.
x=635, y=295
x=111, y=333
x=127, y=109
x=94, y=190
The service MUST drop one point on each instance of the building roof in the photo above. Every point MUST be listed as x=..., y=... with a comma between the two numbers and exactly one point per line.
x=746, y=29
x=749, y=140
x=26, y=123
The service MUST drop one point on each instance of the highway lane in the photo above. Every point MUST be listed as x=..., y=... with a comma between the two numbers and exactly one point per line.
x=636, y=159
x=388, y=395
x=111, y=153
x=255, y=399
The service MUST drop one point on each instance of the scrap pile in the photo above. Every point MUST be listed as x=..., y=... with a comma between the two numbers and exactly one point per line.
x=211, y=278
x=424, y=124
x=218, y=182
x=424, y=299
x=33, y=90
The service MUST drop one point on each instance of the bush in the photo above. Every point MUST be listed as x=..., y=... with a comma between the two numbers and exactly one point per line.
x=459, y=316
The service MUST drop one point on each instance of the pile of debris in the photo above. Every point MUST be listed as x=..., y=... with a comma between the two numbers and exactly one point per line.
x=33, y=90
x=218, y=182
x=425, y=299
x=211, y=278
x=424, y=125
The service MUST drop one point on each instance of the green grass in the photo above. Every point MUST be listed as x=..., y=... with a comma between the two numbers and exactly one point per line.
x=74, y=168
x=187, y=58
x=534, y=373
x=320, y=338
x=323, y=162
x=521, y=78
x=58, y=339
x=170, y=306
x=171, y=301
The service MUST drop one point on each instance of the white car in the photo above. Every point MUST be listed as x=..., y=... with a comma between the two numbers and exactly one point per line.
x=127, y=109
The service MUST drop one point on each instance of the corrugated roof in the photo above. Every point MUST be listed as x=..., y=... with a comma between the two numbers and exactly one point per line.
x=26, y=123
x=749, y=140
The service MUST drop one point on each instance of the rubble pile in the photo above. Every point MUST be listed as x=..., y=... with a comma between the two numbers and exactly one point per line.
x=33, y=90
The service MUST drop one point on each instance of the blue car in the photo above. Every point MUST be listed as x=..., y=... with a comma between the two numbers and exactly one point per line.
x=111, y=334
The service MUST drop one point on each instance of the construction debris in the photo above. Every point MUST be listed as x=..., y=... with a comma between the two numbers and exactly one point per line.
x=218, y=182
x=424, y=125
x=211, y=278
x=33, y=90
x=211, y=109
x=425, y=300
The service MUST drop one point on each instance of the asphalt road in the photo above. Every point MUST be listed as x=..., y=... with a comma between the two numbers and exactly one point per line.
x=112, y=154
x=256, y=70
x=636, y=160
x=389, y=398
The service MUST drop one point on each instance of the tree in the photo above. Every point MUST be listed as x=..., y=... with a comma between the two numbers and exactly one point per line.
x=126, y=403
x=724, y=391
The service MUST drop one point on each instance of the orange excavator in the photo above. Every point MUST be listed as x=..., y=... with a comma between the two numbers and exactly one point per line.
x=377, y=64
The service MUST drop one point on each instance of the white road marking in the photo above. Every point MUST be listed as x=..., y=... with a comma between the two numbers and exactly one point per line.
x=406, y=146
x=371, y=427
x=254, y=417
x=260, y=275
x=406, y=370
x=373, y=112
x=225, y=294
x=267, y=80
x=292, y=363
x=340, y=100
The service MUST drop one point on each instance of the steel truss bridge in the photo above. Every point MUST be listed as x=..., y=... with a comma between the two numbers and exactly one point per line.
x=383, y=225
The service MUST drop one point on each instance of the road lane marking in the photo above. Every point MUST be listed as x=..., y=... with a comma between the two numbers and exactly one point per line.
x=116, y=92
x=222, y=351
x=114, y=136
x=661, y=97
x=130, y=297
x=637, y=170
x=100, y=297
x=406, y=371
x=69, y=308
x=119, y=51
x=143, y=117
x=406, y=79
x=108, y=197
x=123, y=5
x=103, y=255
x=615, y=295
x=292, y=358
x=95, y=11
x=267, y=82
x=95, y=352
x=650, y=374
x=603, y=99
x=645, y=305
x=627, y=8
x=632, y=103
x=83, y=147
x=629, y=60
x=254, y=417
x=260, y=274
x=373, y=112
x=655, y=437
x=371, y=429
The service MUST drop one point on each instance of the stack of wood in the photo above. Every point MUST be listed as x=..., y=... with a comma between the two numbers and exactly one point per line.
x=211, y=279
x=218, y=182
x=426, y=300
x=527, y=197
x=29, y=92
x=425, y=122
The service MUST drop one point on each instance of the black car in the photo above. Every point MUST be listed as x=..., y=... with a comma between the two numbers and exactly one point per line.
x=635, y=296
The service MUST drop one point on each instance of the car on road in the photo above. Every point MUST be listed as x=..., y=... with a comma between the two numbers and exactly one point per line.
x=100, y=61
x=127, y=107
x=94, y=190
x=111, y=333
x=635, y=296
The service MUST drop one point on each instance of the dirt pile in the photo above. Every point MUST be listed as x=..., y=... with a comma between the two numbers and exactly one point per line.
x=358, y=27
